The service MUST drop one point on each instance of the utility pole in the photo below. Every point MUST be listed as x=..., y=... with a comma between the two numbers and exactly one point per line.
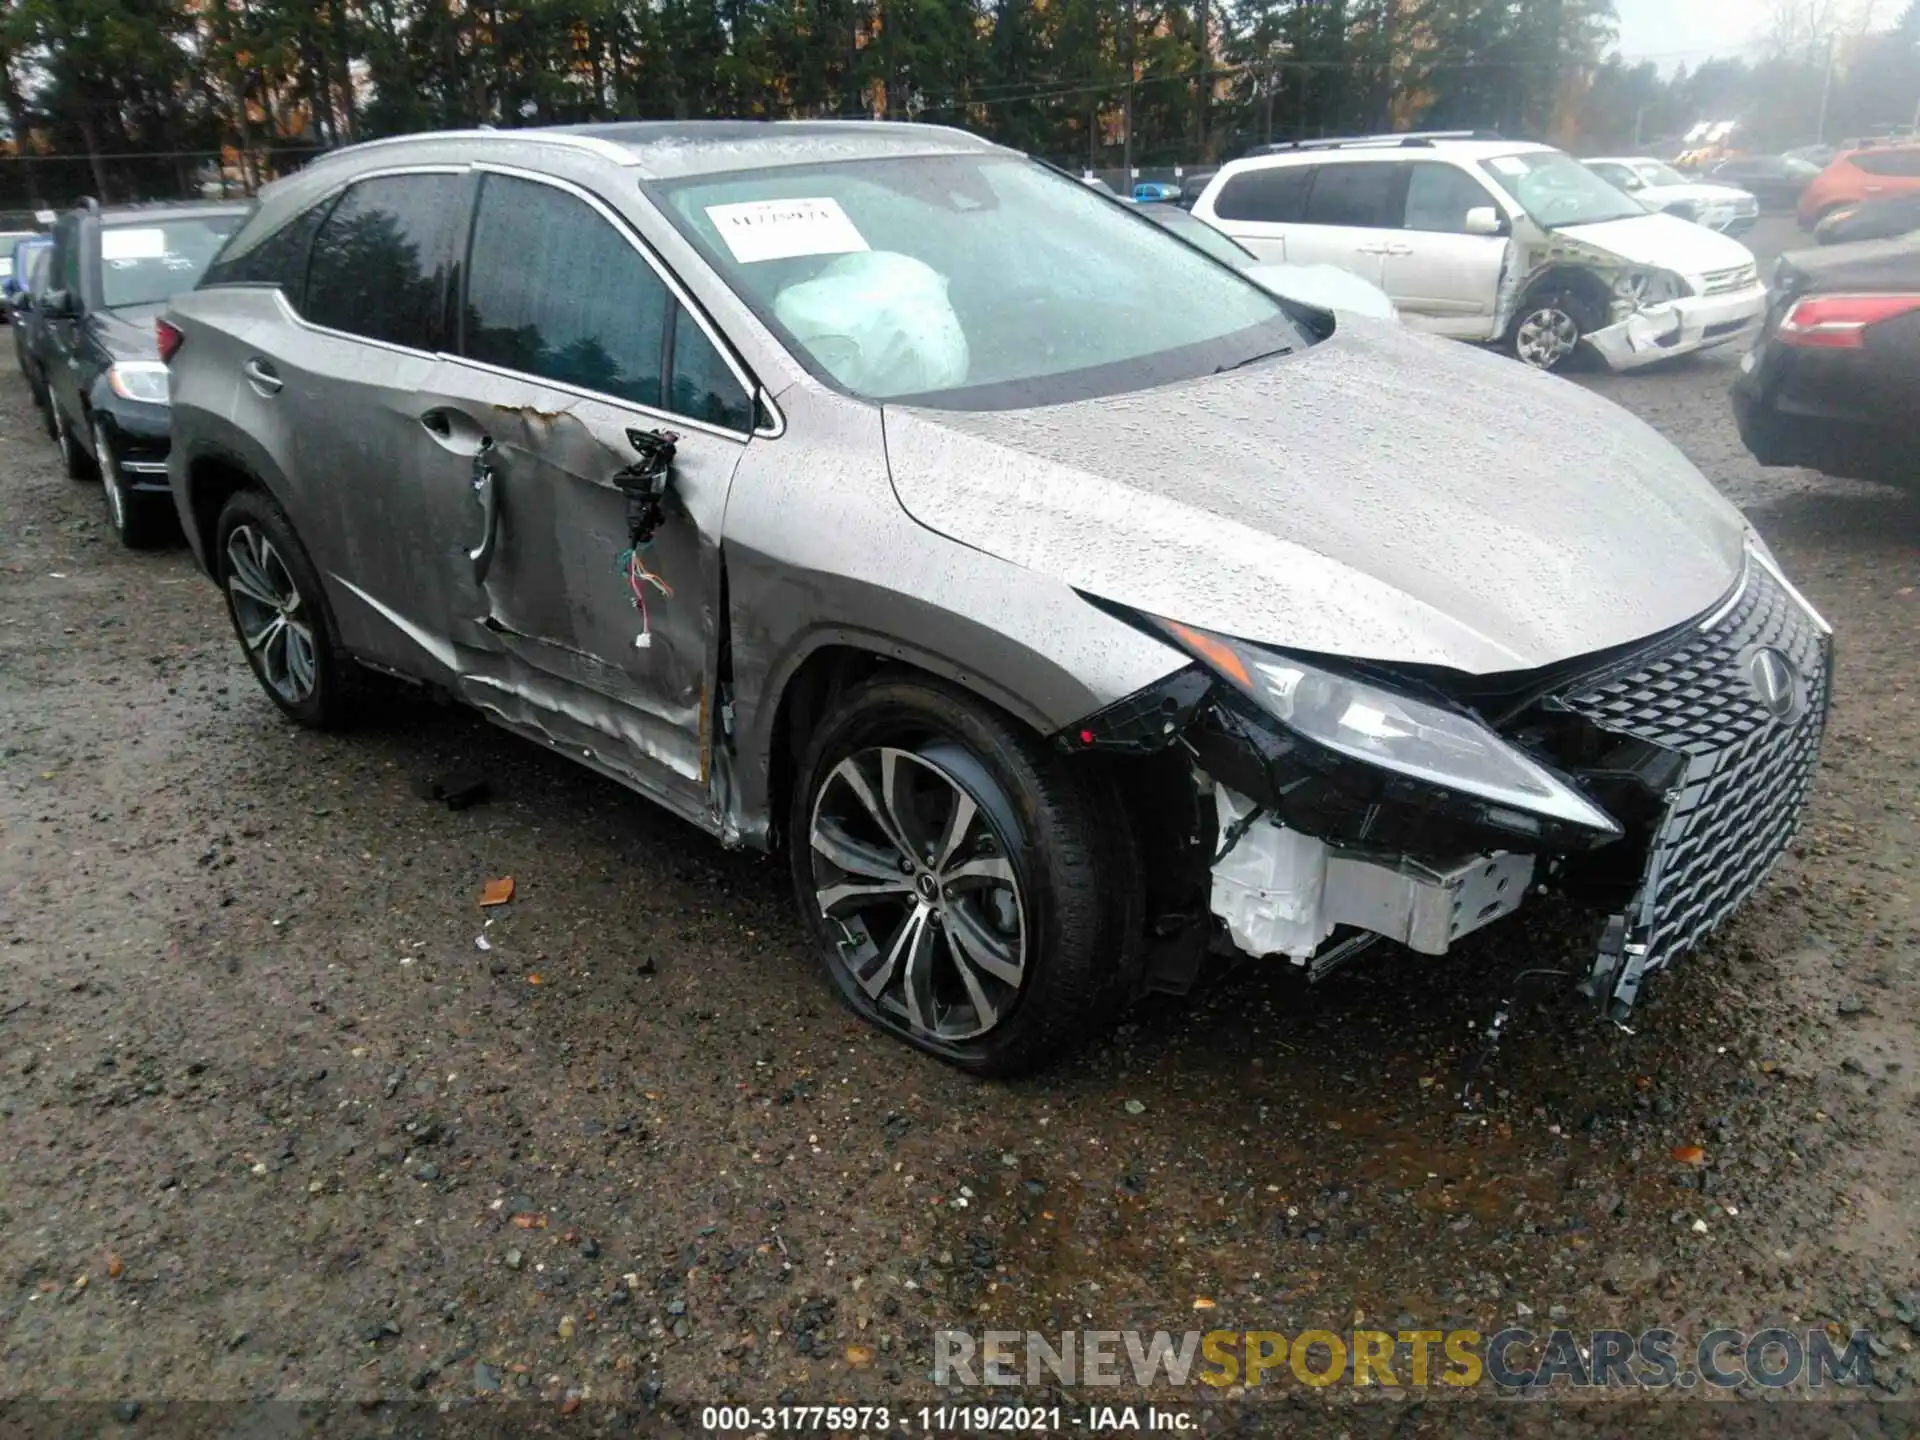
x=1826, y=95
x=1126, y=118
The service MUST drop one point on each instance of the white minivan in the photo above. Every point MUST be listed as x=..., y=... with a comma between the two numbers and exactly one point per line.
x=1495, y=241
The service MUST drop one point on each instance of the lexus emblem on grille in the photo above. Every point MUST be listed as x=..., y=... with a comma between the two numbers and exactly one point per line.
x=1774, y=681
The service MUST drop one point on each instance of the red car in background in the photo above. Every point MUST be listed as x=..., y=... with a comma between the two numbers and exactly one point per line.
x=1874, y=174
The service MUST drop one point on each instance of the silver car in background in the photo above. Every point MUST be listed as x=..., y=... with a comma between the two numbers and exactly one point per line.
x=1056, y=598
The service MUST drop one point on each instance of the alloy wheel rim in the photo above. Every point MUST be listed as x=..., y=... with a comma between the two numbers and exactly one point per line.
x=271, y=615
x=914, y=875
x=1547, y=337
x=110, y=478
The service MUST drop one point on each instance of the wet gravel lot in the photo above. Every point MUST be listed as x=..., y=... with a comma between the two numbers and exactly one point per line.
x=273, y=1125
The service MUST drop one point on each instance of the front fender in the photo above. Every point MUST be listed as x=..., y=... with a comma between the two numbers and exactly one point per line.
x=818, y=552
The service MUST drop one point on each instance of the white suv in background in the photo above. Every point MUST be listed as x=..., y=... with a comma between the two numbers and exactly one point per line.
x=1658, y=186
x=1495, y=241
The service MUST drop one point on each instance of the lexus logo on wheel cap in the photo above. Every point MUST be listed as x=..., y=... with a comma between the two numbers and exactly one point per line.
x=1775, y=682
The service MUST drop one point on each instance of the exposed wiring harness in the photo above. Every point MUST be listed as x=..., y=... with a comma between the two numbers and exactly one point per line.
x=639, y=577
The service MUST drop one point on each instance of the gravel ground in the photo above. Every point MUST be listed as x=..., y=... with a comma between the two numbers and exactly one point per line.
x=271, y=1125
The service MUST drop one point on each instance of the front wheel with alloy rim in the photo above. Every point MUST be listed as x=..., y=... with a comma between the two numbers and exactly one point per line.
x=969, y=890
x=1549, y=328
x=141, y=519
x=73, y=456
x=278, y=610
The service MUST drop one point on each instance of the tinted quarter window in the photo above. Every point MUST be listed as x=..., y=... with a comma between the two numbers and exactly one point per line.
x=1358, y=193
x=380, y=259
x=555, y=290
x=1439, y=196
x=1905, y=163
x=703, y=387
x=271, y=255
x=1273, y=196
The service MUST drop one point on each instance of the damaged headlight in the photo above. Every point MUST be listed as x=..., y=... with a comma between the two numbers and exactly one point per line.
x=1644, y=289
x=1393, y=731
x=139, y=380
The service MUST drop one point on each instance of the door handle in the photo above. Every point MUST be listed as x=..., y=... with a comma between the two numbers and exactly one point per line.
x=486, y=485
x=261, y=376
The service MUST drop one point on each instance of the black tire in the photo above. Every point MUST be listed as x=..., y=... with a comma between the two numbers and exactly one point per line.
x=73, y=455
x=1577, y=319
x=322, y=703
x=1059, y=824
x=140, y=519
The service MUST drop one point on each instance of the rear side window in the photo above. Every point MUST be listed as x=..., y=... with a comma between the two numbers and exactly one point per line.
x=276, y=257
x=1359, y=194
x=380, y=259
x=1271, y=196
x=704, y=388
x=556, y=291
x=1439, y=197
x=1903, y=163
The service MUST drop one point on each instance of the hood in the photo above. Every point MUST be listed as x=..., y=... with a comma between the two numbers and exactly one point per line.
x=1695, y=192
x=1665, y=241
x=1868, y=264
x=1384, y=495
x=1327, y=286
x=127, y=333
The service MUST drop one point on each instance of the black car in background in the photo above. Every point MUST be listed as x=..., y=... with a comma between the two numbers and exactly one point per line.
x=28, y=282
x=1870, y=220
x=1831, y=382
x=112, y=270
x=1776, y=181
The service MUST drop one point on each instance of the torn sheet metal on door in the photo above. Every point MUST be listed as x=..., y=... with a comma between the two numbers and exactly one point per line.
x=560, y=622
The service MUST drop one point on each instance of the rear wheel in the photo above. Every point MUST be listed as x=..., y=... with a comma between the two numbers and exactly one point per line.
x=968, y=889
x=278, y=610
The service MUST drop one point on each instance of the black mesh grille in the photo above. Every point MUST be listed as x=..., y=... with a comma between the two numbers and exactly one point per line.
x=1747, y=771
x=1699, y=697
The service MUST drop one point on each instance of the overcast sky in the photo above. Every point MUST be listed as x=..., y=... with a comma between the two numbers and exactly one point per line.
x=1671, y=31
x=1687, y=29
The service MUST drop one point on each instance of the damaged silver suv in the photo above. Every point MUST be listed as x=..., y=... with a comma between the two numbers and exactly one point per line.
x=811, y=480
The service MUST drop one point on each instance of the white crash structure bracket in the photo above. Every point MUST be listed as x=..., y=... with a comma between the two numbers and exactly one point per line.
x=1282, y=892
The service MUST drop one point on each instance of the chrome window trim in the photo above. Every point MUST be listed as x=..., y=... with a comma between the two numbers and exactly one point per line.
x=755, y=393
x=286, y=309
x=674, y=416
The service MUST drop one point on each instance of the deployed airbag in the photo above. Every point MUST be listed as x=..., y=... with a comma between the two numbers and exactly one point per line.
x=879, y=322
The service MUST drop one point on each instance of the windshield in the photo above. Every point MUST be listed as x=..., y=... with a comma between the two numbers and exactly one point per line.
x=970, y=281
x=143, y=262
x=1200, y=235
x=1555, y=189
x=1656, y=173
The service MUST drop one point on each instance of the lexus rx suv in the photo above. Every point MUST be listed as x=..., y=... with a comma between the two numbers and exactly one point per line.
x=790, y=475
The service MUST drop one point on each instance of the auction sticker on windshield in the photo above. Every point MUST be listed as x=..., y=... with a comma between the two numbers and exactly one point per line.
x=756, y=230
x=132, y=244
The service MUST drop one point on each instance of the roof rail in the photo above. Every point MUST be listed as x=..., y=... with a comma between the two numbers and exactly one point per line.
x=538, y=135
x=1412, y=139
